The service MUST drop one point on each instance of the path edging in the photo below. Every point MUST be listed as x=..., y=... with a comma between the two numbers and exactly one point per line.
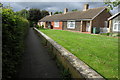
x=77, y=68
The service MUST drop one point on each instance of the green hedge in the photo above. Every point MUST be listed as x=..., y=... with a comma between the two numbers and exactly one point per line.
x=39, y=27
x=14, y=29
x=111, y=34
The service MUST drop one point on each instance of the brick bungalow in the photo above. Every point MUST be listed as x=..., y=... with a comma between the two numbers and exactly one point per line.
x=82, y=21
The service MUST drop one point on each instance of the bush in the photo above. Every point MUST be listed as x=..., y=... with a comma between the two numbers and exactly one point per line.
x=42, y=26
x=31, y=23
x=14, y=29
x=106, y=34
x=39, y=27
x=111, y=34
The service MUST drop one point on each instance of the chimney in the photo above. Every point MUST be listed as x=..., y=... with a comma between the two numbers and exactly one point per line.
x=86, y=6
x=65, y=10
x=50, y=13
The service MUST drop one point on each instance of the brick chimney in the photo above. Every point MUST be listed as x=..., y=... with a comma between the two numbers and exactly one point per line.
x=65, y=10
x=86, y=6
x=50, y=13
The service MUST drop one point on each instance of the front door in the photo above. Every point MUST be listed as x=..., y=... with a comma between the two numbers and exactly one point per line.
x=87, y=27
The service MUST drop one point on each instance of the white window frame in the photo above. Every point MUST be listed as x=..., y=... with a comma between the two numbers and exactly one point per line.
x=117, y=23
x=69, y=22
x=56, y=23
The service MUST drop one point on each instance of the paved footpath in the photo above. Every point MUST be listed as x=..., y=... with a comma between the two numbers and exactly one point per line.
x=37, y=62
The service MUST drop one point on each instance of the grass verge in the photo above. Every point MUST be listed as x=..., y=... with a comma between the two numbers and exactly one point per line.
x=99, y=52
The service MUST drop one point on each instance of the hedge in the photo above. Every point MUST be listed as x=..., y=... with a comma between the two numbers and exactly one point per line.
x=14, y=29
x=111, y=34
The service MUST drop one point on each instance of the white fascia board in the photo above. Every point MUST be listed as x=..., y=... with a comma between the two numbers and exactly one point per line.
x=71, y=20
x=113, y=16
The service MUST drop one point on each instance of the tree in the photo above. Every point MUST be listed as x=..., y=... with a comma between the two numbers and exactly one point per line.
x=74, y=10
x=44, y=13
x=23, y=13
x=58, y=12
x=1, y=5
x=111, y=4
x=34, y=15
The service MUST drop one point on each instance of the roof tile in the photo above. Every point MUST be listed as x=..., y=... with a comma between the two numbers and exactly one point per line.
x=76, y=15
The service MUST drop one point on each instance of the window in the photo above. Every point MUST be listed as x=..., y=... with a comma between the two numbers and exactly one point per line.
x=71, y=24
x=116, y=25
x=119, y=27
x=56, y=24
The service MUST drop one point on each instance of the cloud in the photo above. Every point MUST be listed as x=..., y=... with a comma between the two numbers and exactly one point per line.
x=53, y=0
x=54, y=6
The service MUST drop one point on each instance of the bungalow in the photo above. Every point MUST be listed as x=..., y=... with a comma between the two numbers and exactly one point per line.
x=114, y=23
x=82, y=21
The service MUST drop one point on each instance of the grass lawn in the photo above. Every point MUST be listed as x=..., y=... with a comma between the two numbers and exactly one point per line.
x=99, y=52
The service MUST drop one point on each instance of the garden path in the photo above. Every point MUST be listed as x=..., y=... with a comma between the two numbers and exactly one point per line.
x=37, y=62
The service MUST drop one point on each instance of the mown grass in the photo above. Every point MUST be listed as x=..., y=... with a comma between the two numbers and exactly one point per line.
x=99, y=52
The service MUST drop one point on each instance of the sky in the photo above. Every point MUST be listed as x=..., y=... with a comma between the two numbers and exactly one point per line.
x=54, y=6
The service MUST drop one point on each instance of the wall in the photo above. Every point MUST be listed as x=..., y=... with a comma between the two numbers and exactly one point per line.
x=76, y=67
x=99, y=21
x=40, y=23
x=60, y=25
x=77, y=26
x=45, y=25
x=112, y=24
x=84, y=26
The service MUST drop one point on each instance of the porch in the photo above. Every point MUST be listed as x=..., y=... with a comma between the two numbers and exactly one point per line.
x=47, y=24
x=86, y=26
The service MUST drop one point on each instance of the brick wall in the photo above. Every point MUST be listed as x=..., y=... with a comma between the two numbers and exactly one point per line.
x=77, y=26
x=99, y=21
x=60, y=25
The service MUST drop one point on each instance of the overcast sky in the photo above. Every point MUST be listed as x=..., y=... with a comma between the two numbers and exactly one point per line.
x=55, y=6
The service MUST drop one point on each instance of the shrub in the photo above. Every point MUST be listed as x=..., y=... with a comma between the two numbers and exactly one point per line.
x=110, y=34
x=42, y=26
x=106, y=34
x=39, y=27
x=31, y=23
x=14, y=29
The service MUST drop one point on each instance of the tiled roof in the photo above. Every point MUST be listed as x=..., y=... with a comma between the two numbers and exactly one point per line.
x=75, y=15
